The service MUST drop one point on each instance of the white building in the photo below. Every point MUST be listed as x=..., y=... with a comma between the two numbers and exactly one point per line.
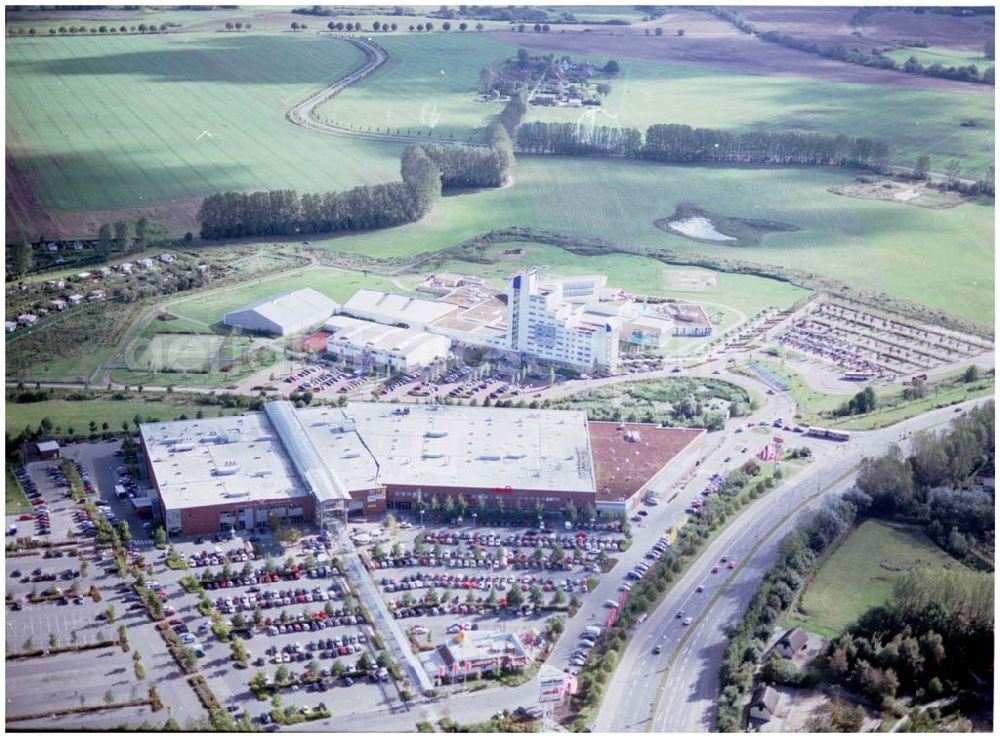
x=166, y=258
x=144, y=262
x=284, y=314
x=126, y=268
x=541, y=323
x=390, y=309
x=360, y=342
x=27, y=319
x=9, y=326
x=75, y=298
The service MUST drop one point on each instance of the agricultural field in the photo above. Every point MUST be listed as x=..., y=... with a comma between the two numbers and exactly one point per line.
x=866, y=243
x=948, y=57
x=154, y=122
x=860, y=574
x=430, y=86
x=921, y=122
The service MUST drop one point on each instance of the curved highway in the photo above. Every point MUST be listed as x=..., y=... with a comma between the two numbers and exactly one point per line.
x=677, y=689
x=304, y=113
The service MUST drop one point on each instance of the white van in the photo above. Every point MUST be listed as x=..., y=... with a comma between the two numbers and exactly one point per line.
x=611, y=604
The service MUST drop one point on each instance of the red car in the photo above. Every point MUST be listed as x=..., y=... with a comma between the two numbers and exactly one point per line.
x=27, y=517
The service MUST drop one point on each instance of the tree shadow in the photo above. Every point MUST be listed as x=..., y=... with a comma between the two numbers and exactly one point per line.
x=240, y=59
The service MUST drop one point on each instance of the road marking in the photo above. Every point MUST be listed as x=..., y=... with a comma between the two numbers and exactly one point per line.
x=694, y=626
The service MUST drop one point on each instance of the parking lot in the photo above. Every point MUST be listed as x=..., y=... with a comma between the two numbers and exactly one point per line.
x=442, y=579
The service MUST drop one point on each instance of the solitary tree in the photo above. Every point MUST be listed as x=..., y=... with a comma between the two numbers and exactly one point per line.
x=22, y=257
x=922, y=167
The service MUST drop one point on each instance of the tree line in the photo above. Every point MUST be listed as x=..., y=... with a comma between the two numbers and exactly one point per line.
x=936, y=486
x=857, y=56
x=141, y=28
x=424, y=169
x=471, y=166
x=685, y=144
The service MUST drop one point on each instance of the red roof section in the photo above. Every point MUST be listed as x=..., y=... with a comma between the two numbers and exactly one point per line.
x=621, y=467
x=314, y=344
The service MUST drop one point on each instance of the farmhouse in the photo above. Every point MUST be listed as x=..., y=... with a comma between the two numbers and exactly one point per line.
x=793, y=642
x=764, y=703
x=364, y=458
x=58, y=304
x=126, y=268
x=58, y=283
x=27, y=319
x=84, y=276
x=97, y=295
x=75, y=298
x=283, y=314
x=105, y=271
x=166, y=259
x=9, y=326
x=364, y=344
x=144, y=262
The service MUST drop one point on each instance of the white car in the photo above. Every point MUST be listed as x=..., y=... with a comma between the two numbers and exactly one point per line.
x=187, y=638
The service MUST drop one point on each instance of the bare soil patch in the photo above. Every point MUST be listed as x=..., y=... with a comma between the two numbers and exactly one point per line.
x=720, y=46
x=919, y=194
x=24, y=209
x=690, y=279
x=823, y=25
x=937, y=29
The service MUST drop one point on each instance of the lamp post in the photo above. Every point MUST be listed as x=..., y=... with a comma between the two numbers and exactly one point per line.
x=474, y=516
x=421, y=520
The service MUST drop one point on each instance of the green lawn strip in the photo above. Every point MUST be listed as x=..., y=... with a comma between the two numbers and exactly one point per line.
x=78, y=414
x=15, y=500
x=860, y=573
x=726, y=584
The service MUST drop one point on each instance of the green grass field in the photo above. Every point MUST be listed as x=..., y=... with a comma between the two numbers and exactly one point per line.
x=943, y=55
x=190, y=353
x=111, y=122
x=853, y=578
x=868, y=243
x=337, y=284
x=14, y=499
x=78, y=414
x=915, y=122
x=428, y=85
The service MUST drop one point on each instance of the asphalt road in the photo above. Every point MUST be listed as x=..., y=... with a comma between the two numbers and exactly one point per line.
x=677, y=690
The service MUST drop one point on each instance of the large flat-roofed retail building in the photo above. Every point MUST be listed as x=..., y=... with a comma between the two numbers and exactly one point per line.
x=234, y=472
